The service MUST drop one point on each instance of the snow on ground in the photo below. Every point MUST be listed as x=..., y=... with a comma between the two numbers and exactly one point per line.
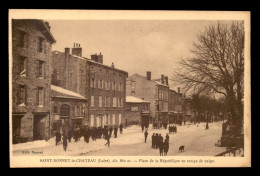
x=197, y=141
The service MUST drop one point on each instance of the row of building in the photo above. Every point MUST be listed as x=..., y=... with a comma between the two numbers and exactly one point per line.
x=53, y=88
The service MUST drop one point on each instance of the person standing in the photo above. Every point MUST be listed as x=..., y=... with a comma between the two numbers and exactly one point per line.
x=65, y=143
x=115, y=132
x=167, y=137
x=165, y=147
x=156, y=140
x=121, y=128
x=145, y=135
x=207, y=126
x=160, y=145
x=142, y=126
x=108, y=140
x=110, y=131
x=153, y=140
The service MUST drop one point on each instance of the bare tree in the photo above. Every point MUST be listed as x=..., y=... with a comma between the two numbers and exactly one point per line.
x=217, y=66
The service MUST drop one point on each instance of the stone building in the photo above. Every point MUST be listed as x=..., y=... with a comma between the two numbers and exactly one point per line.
x=31, y=79
x=137, y=111
x=175, y=106
x=106, y=93
x=69, y=108
x=155, y=91
x=103, y=86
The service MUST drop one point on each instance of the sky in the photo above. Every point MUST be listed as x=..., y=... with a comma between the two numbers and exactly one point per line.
x=135, y=46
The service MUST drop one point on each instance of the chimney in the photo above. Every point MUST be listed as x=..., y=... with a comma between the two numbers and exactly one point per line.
x=48, y=25
x=113, y=66
x=67, y=51
x=77, y=50
x=179, y=90
x=97, y=58
x=162, y=79
x=149, y=75
x=166, y=80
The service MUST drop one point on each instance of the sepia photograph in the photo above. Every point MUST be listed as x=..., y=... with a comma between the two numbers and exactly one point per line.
x=151, y=86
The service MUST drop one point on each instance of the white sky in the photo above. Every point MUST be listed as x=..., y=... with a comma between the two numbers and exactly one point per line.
x=135, y=46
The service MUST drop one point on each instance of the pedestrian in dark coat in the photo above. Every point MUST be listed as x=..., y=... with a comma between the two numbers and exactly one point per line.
x=121, y=128
x=69, y=135
x=58, y=137
x=115, y=132
x=142, y=126
x=65, y=143
x=108, y=140
x=167, y=137
x=110, y=131
x=165, y=147
x=145, y=136
x=160, y=146
x=207, y=126
x=153, y=136
x=156, y=141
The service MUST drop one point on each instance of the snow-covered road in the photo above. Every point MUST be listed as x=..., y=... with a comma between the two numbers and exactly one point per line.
x=197, y=141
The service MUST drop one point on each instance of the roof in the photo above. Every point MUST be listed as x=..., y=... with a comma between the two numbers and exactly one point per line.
x=90, y=61
x=64, y=93
x=132, y=99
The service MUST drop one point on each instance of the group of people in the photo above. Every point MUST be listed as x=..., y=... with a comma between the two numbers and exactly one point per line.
x=157, y=142
x=79, y=131
x=158, y=125
x=172, y=129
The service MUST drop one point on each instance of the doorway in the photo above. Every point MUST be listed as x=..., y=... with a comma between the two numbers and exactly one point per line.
x=39, y=127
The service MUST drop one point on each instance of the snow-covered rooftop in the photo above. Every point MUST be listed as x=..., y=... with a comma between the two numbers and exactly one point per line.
x=66, y=93
x=132, y=99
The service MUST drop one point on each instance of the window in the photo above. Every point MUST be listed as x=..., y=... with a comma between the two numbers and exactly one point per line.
x=21, y=38
x=40, y=96
x=92, y=82
x=133, y=93
x=114, y=101
x=108, y=85
x=133, y=84
x=100, y=101
x=78, y=111
x=100, y=84
x=122, y=102
x=91, y=120
x=55, y=109
x=22, y=95
x=92, y=101
x=114, y=119
x=40, y=69
x=107, y=102
x=22, y=64
x=40, y=46
x=119, y=119
x=96, y=84
x=120, y=87
x=113, y=85
x=108, y=119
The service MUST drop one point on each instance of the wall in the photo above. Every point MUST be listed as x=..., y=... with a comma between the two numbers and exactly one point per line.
x=143, y=89
x=32, y=55
x=105, y=73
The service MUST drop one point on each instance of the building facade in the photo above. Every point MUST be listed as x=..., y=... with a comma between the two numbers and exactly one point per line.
x=103, y=86
x=155, y=91
x=31, y=79
x=175, y=106
x=137, y=111
x=106, y=93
